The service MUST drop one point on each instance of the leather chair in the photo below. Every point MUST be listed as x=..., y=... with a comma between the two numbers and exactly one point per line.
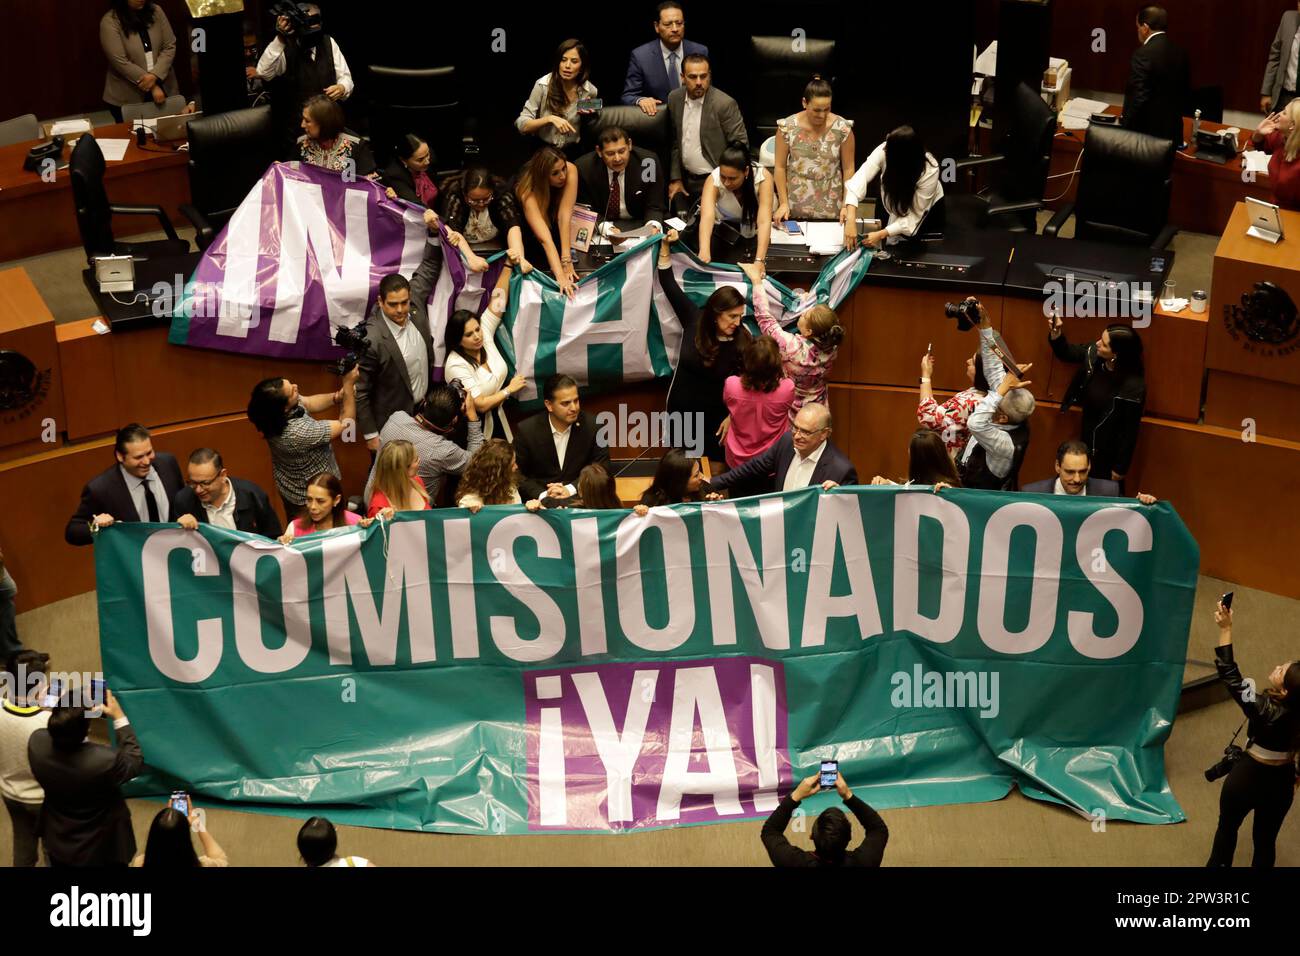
x=648, y=132
x=20, y=129
x=229, y=153
x=169, y=107
x=1020, y=162
x=778, y=73
x=1125, y=185
x=95, y=213
x=424, y=102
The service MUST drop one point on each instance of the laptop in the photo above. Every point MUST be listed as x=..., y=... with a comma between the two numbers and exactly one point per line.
x=173, y=127
x=1265, y=220
x=115, y=273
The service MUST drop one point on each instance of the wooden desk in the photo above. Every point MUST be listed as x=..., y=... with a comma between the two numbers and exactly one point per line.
x=1204, y=193
x=40, y=217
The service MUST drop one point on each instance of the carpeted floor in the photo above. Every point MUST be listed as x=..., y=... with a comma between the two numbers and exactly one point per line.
x=1009, y=832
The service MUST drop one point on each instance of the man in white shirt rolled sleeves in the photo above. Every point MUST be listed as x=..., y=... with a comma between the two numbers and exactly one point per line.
x=301, y=62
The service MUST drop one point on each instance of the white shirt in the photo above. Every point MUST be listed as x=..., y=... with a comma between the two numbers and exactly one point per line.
x=561, y=439
x=1152, y=37
x=692, y=152
x=136, y=487
x=411, y=344
x=1060, y=490
x=272, y=64
x=801, y=470
x=223, y=515
x=1288, y=81
x=482, y=381
x=728, y=206
x=902, y=222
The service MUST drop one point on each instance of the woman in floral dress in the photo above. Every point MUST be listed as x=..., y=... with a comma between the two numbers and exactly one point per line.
x=814, y=157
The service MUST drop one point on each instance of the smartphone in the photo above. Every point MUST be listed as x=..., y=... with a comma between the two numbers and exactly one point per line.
x=792, y=227
x=180, y=801
x=830, y=774
x=1226, y=601
x=590, y=105
x=53, y=691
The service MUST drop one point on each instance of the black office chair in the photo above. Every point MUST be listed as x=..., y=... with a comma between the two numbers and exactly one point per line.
x=229, y=153
x=778, y=74
x=648, y=132
x=1125, y=185
x=424, y=102
x=1021, y=162
x=95, y=213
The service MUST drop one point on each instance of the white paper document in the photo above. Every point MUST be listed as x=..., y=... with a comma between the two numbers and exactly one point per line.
x=1255, y=161
x=70, y=127
x=824, y=238
x=114, y=150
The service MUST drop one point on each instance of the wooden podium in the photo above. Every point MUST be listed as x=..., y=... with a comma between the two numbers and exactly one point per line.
x=31, y=390
x=1253, y=352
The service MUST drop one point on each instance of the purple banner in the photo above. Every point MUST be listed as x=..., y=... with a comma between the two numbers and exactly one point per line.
x=622, y=746
x=302, y=255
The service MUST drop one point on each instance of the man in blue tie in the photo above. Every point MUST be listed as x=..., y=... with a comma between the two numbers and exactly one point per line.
x=655, y=68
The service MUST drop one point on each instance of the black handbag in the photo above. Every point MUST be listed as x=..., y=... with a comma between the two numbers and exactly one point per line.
x=37, y=155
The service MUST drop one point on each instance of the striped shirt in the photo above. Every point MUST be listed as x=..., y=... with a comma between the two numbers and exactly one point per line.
x=438, y=454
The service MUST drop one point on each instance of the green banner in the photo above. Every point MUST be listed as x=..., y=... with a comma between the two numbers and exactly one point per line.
x=578, y=670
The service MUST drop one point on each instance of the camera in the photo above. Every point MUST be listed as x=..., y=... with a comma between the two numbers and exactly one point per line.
x=966, y=312
x=1231, y=754
x=302, y=24
x=354, y=340
x=458, y=387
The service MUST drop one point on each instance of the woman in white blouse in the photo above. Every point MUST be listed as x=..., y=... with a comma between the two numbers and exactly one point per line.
x=551, y=111
x=909, y=187
x=738, y=192
x=473, y=357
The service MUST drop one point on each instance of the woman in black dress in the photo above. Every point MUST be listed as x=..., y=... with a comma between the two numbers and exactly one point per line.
x=1110, y=389
x=713, y=346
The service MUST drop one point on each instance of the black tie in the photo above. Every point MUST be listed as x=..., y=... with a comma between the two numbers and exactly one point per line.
x=150, y=502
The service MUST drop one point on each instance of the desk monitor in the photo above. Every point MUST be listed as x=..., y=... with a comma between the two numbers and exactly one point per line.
x=1265, y=221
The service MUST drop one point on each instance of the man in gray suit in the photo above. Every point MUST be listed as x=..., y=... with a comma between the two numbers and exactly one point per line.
x=1073, y=477
x=705, y=120
x=395, y=371
x=84, y=820
x=1283, y=65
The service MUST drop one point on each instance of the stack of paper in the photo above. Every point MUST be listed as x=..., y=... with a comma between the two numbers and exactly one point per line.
x=824, y=238
x=114, y=150
x=74, y=127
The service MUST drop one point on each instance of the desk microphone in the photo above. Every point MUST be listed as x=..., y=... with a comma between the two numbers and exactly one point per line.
x=139, y=136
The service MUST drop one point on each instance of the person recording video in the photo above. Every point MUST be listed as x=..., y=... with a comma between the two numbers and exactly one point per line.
x=301, y=62
x=831, y=830
x=1262, y=777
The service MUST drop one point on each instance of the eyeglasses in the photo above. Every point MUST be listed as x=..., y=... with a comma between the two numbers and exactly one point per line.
x=479, y=203
x=209, y=484
x=806, y=433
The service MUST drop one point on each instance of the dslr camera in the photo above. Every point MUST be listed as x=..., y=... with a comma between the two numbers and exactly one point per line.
x=966, y=312
x=302, y=24
x=354, y=340
x=1231, y=754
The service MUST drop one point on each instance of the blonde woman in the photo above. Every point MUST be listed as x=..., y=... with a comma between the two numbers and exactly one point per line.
x=490, y=479
x=396, y=485
x=1279, y=135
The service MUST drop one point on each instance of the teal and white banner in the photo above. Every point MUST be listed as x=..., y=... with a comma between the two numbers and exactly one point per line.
x=512, y=672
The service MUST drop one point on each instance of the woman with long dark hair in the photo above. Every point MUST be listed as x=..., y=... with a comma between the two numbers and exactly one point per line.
x=949, y=419
x=479, y=206
x=909, y=188
x=928, y=462
x=326, y=510
x=318, y=844
x=547, y=188
x=713, y=344
x=140, y=47
x=738, y=192
x=472, y=357
x=1110, y=389
x=407, y=176
x=169, y=846
x=551, y=111
x=1263, y=777
x=677, y=480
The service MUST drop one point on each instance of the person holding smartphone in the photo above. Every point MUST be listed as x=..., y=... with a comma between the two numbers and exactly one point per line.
x=830, y=832
x=169, y=845
x=1264, y=777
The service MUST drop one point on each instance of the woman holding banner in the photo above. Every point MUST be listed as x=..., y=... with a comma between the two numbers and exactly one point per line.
x=474, y=360
x=547, y=188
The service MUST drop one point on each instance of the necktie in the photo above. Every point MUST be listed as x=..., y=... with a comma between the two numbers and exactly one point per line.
x=615, y=200
x=150, y=502
x=674, y=78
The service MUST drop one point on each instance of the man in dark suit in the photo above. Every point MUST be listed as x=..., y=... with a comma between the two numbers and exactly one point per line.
x=620, y=181
x=553, y=447
x=211, y=496
x=140, y=487
x=1159, y=80
x=395, y=370
x=801, y=458
x=705, y=120
x=655, y=68
x=1280, y=76
x=1073, y=477
x=84, y=820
